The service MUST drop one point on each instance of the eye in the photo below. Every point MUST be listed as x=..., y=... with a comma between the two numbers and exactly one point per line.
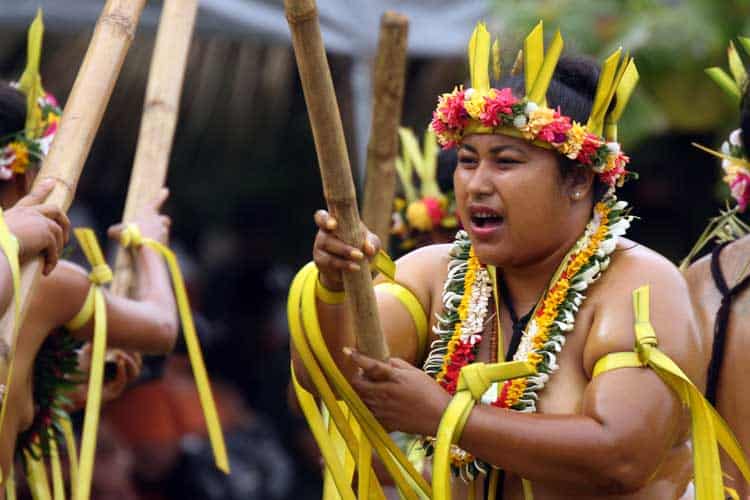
x=507, y=160
x=467, y=161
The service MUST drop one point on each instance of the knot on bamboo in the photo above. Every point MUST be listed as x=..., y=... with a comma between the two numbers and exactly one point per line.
x=298, y=13
x=121, y=22
x=157, y=103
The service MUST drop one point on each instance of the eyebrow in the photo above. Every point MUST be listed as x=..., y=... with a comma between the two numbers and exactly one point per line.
x=496, y=149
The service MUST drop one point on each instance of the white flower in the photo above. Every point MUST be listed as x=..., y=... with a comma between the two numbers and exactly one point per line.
x=531, y=107
x=620, y=205
x=735, y=138
x=725, y=148
x=5, y=173
x=614, y=148
x=520, y=121
x=468, y=93
x=490, y=396
x=608, y=245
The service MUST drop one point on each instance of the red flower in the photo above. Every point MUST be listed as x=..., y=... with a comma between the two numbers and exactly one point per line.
x=499, y=104
x=589, y=148
x=434, y=210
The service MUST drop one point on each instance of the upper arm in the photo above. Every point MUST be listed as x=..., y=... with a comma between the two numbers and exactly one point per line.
x=398, y=325
x=131, y=324
x=643, y=416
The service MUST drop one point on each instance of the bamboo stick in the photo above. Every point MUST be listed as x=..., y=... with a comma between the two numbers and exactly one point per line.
x=335, y=170
x=388, y=92
x=83, y=113
x=158, y=123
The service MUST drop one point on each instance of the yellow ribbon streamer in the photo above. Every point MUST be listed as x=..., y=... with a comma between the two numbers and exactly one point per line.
x=36, y=473
x=9, y=246
x=10, y=485
x=100, y=275
x=132, y=238
x=473, y=382
x=325, y=376
x=708, y=427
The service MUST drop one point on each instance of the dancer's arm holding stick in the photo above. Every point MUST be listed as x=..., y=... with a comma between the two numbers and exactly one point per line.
x=334, y=166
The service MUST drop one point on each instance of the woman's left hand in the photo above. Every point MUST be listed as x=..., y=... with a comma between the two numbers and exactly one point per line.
x=401, y=396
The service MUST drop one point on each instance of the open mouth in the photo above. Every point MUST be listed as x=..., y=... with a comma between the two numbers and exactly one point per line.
x=485, y=217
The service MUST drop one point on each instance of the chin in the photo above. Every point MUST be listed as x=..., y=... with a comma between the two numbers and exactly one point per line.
x=493, y=254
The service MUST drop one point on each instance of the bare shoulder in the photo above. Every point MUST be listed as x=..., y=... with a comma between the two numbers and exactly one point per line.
x=633, y=266
x=422, y=268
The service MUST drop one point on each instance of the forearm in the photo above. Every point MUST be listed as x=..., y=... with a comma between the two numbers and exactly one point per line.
x=154, y=291
x=573, y=450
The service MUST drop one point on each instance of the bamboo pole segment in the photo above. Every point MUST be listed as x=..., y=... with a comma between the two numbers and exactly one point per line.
x=333, y=159
x=158, y=123
x=388, y=92
x=81, y=118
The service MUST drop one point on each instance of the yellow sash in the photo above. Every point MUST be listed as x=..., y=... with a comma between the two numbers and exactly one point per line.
x=131, y=238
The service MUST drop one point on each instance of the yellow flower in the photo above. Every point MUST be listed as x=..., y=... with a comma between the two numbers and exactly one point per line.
x=475, y=104
x=538, y=119
x=21, y=157
x=573, y=145
x=418, y=216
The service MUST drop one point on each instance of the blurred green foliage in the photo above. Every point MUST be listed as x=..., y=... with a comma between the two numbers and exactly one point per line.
x=673, y=41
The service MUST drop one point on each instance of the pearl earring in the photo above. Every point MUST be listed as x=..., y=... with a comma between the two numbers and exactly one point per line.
x=577, y=195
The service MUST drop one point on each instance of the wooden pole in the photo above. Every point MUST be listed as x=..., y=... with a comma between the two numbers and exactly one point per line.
x=333, y=159
x=388, y=92
x=83, y=113
x=159, y=121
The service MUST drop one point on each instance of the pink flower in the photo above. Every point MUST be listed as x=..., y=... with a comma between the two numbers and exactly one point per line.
x=452, y=110
x=740, y=187
x=557, y=131
x=51, y=100
x=615, y=176
x=497, y=104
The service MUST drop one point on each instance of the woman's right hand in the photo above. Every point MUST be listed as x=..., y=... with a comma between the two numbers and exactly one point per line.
x=151, y=222
x=333, y=257
x=42, y=229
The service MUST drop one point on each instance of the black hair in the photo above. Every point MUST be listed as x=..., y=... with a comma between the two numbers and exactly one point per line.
x=12, y=112
x=745, y=119
x=572, y=89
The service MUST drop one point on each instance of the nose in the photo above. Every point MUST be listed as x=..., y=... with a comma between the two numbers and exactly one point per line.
x=480, y=184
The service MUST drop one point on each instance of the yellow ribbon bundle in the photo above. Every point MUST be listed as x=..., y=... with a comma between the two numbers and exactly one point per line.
x=95, y=305
x=349, y=418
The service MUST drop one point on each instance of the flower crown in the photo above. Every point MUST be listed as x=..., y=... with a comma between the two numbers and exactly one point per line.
x=424, y=207
x=485, y=110
x=42, y=113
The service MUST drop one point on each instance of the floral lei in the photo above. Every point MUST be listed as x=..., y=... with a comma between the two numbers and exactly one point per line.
x=55, y=374
x=466, y=296
x=464, y=111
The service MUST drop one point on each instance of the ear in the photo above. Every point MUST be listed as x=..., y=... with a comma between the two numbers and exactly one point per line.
x=579, y=184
